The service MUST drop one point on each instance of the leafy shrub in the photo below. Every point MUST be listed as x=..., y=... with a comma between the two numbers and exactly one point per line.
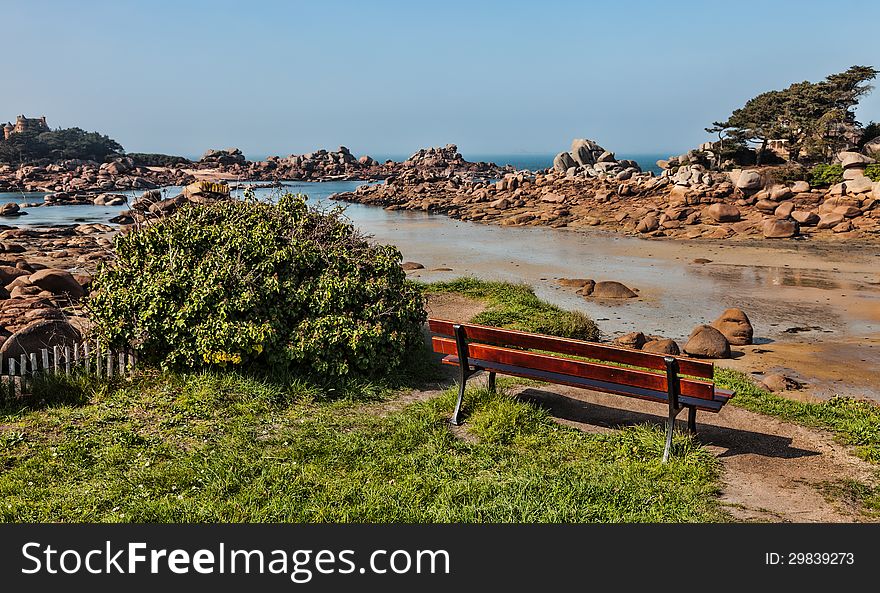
x=825, y=175
x=149, y=159
x=872, y=172
x=789, y=173
x=69, y=143
x=252, y=283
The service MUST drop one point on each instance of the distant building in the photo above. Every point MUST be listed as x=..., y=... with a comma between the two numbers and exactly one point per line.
x=25, y=124
x=780, y=148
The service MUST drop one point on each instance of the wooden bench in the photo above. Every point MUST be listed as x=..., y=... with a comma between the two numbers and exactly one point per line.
x=683, y=382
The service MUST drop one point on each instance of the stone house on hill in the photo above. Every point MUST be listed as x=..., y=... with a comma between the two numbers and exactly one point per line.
x=25, y=124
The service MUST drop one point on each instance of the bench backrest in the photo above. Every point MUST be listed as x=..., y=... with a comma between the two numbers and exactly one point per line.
x=509, y=347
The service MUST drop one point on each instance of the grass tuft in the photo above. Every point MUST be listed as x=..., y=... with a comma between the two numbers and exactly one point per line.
x=515, y=306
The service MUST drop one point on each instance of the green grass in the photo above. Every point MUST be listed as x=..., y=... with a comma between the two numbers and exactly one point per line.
x=515, y=306
x=227, y=447
x=853, y=422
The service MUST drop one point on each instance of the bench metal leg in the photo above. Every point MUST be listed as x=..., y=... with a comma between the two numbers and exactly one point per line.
x=672, y=392
x=456, y=413
x=464, y=369
x=692, y=419
x=491, y=382
x=670, y=426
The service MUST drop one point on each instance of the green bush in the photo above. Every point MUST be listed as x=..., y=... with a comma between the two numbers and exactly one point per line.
x=825, y=175
x=70, y=143
x=788, y=173
x=873, y=172
x=149, y=159
x=252, y=283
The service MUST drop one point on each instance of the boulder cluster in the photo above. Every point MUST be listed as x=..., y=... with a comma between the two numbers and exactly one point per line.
x=44, y=274
x=588, y=160
x=686, y=201
x=153, y=204
x=604, y=289
x=341, y=164
x=80, y=182
x=731, y=328
x=221, y=158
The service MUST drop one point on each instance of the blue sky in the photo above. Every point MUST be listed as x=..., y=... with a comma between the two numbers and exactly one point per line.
x=389, y=77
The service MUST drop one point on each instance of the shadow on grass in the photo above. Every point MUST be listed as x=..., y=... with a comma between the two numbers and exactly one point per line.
x=50, y=390
x=736, y=441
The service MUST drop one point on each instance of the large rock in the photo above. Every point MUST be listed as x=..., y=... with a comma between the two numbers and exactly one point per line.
x=830, y=220
x=784, y=210
x=800, y=187
x=735, y=326
x=57, y=282
x=575, y=282
x=581, y=150
x=847, y=211
x=563, y=162
x=805, y=218
x=10, y=209
x=872, y=148
x=777, y=228
x=749, y=181
x=587, y=288
x=648, y=224
x=855, y=160
x=631, y=340
x=723, y=212
x=707, y=342
x=579, y=143
x=662, y=346
x=767, y=206
x=779, y=382
x=10, y=273
x=609, y=289
x=39, y=334
x=852, y=173
x=859, y=185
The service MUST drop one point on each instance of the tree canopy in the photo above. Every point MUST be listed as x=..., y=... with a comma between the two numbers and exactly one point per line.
x=70, y=143
x=815, y=118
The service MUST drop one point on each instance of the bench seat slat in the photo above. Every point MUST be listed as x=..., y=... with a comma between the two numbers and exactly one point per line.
x=506, y=337
x=576, y=368
x=592, y=384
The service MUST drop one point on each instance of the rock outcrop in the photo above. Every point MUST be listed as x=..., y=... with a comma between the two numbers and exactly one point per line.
x=686, y=201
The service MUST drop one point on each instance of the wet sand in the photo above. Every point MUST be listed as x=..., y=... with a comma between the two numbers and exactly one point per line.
x=815, y=307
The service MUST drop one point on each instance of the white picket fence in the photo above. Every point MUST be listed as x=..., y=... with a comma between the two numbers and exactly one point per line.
x=84, y=357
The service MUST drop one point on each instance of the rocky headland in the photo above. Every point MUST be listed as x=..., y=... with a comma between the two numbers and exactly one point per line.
x=341, y=164
x=71, y=182
x=588, y=187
